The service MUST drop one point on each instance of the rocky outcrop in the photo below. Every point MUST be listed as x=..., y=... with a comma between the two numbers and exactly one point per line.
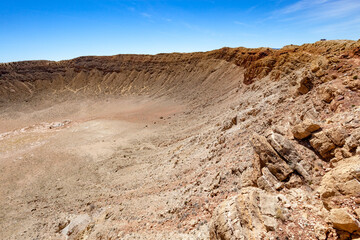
x=340, y=183
x=327, y=94
x=344, y=221
x=331, y=142
x=276, y=159
x=256, y=212
x=277, y=166
x=306, y=83
x=305, y=128
x=76, y=226
x=268, y=181
x=250, y=215
x=340, y=192
x=352, y=143
x=269, y=158
x=337, y=135
x=322, y=144
x=287, y=151
x=326, y=141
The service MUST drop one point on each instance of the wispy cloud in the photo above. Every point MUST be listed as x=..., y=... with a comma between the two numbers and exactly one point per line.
x=343, y=26
x=319, y=17
x=147, y=15
x=241, y=24
x=342, y=8
x=300, y=6
x=319, y=9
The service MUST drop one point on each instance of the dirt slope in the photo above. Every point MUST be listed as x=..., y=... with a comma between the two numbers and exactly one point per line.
x=148, y=146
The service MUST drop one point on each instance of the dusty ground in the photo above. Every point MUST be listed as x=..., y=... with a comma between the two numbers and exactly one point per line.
x=87, y=155
x=118, y=157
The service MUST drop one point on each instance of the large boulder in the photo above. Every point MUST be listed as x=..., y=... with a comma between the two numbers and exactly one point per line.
x=342, y=220
x=305, y=84
x=249, y=215
x=341, y=183
x=327, y=94
x=326, y=141
x=268, y=181
x=269, y=158
x=353, y=141
x=337, y=135
x=76, y=226
x=322, y=144
x=287, y=151
x=319, y=63
x=305, y=128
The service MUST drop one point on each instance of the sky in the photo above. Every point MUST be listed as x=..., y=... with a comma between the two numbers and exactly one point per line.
x=65, y=29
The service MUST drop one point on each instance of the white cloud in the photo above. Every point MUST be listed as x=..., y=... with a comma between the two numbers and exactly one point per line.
x=318, y=11
x=301, y=5
x=340, y=8
x=323, y=17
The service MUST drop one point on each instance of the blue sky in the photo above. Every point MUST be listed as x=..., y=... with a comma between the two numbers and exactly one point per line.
x=64, y=29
